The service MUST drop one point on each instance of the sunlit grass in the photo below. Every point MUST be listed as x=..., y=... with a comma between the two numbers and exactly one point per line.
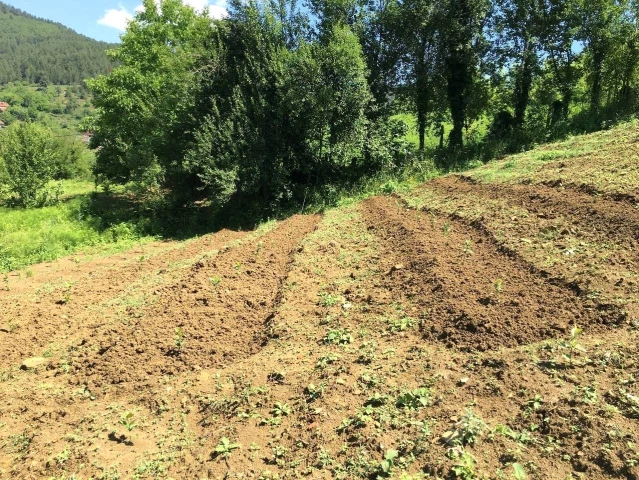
x=37, y=235
x=605, y=160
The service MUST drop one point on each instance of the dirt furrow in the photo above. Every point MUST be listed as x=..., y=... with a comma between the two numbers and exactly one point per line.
x=212, y=317
x=588, y=242
x=600, y=217
x=30, y=324
x=473, y=296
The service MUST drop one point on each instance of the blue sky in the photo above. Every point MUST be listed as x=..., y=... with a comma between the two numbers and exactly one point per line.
x=99, y=19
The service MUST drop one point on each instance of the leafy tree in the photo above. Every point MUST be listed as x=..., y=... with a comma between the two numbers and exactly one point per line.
x=557, y=32
x=462, y=44
x=423, y=60
x=29, y=156
x=281, y=118
x=143, y=105
x=517, y=28
x=598, y=21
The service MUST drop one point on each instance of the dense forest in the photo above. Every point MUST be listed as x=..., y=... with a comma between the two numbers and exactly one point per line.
x=280, y=101
x=39, y=51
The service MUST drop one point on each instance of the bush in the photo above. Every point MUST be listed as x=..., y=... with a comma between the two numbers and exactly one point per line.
x=29, y=156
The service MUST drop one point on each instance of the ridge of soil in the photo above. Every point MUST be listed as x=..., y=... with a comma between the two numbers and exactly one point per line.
x=56, y=308
x=222, y=308
x=589, y=243
x=473, y=296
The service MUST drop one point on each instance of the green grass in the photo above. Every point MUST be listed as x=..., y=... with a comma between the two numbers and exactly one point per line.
x=527, y=165
x=477, y=130
x=38, y=235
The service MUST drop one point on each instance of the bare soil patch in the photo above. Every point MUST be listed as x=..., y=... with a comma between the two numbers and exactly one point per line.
x=474, y=296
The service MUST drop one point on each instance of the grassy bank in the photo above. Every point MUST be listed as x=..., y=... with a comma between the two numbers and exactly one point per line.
x=38, y=235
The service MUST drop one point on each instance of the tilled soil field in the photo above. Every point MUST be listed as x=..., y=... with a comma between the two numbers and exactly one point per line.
x=461, y=330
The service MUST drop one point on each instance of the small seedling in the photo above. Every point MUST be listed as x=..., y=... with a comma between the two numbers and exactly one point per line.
x=388, y=463
x=465, y=467
x=326, y=360
x=499, y=285
x=446, y=228
x=469, y=428
x=179, y=338
x=313, y=392
x=128, y=420
x=327, y=300
x=468, y=247
x=572, y=345
x=216, y=280
x=401, y=325
x=225, y=448
x=338, y=337
x=281, y=410
x=415, y=399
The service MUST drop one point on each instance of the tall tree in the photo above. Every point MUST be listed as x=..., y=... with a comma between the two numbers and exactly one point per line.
x=143, y=120
x=516, y=27
x=598, y=20
x=462, y=43
x=421, y=23
x=558, y=31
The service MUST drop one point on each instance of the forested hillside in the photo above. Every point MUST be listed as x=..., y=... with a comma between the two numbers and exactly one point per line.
x=40, y=51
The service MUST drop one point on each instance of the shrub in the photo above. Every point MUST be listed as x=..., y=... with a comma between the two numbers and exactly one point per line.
x=29, y=155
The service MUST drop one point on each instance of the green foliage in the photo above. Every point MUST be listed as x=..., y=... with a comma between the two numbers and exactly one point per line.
x=29, y=155
x=464, y=468
x=572, y=345
x=270, y=114
x=144, y=104
x=128, y=421
x=414, y=400
x=225, y=448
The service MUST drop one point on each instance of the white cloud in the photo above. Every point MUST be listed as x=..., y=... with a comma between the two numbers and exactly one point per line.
x=117, y=18
x=217, y=9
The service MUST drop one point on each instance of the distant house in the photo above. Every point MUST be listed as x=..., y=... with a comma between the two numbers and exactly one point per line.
x=4, y=106
x=86, y=136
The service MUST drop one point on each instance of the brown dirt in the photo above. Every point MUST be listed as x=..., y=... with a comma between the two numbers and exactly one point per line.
x=473, y=296
x=593, y=242
x=56, y=300
x=301, y=342
x=222, y=323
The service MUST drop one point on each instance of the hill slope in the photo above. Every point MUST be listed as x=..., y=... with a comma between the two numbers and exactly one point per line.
x=36, y=50
x=425, y=334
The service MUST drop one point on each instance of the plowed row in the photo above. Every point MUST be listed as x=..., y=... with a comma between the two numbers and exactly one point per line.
x=298, y=344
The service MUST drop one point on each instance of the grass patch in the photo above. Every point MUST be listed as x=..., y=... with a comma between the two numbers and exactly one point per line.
x=38, y=235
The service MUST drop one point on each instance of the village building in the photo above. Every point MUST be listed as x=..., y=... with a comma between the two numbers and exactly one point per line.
x=4, y=106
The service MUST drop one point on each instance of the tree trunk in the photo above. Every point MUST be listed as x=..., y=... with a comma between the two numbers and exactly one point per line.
x=458, y=66
x=457, y=86
x=598, y=57
x=523, y=86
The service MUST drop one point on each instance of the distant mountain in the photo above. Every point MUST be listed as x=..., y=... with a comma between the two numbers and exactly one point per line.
x=40, y=51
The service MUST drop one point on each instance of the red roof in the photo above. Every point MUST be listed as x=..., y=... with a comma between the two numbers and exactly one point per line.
x=4, y=104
